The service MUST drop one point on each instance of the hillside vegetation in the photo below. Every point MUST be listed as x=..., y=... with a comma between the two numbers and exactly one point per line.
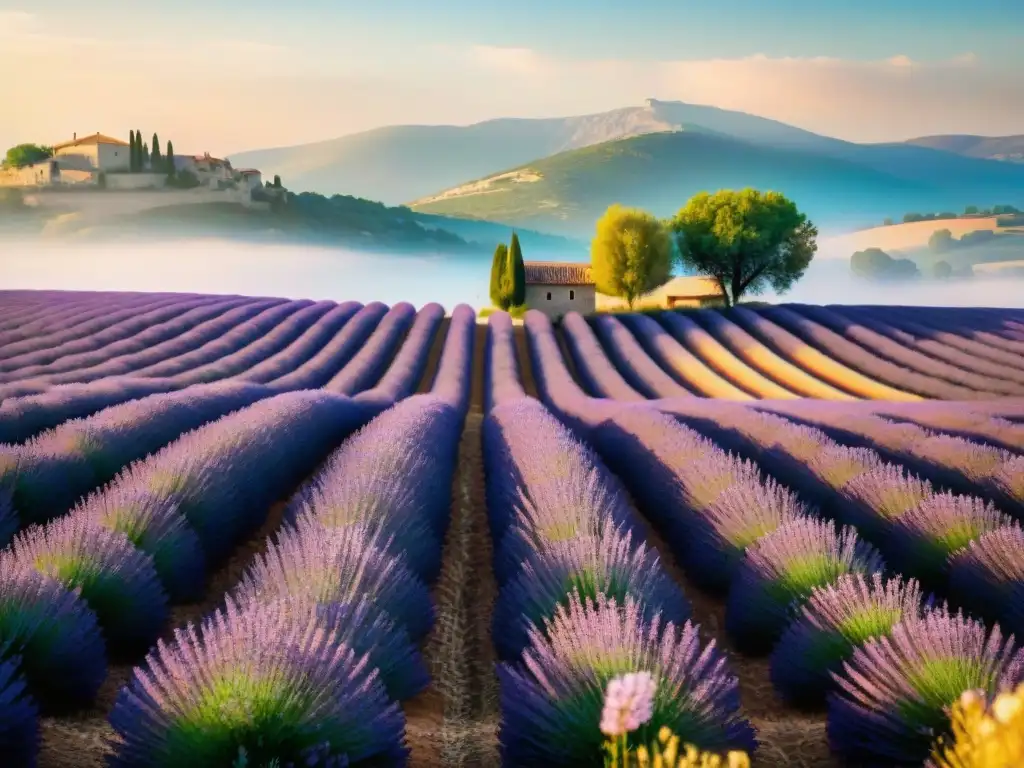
x=566, y=193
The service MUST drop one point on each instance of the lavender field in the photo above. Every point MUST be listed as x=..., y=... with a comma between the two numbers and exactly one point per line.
x=239, y=530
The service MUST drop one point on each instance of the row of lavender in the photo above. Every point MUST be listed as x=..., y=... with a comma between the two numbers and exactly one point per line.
x=46, y=476
x=316, y=645
x=582, y=597
x=802, y=347
x=98, y=583
x=739, y=533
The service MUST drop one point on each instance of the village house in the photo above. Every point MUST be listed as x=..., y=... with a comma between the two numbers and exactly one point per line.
x=93, y=153
x=211, y=171
x=556, y=287
x=251, y=178
x=559, y=287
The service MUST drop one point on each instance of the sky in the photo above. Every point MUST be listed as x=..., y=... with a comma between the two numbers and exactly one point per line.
x=224, y=76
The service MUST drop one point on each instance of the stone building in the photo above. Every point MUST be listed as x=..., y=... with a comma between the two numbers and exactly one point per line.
x=557, y=287
x=93, y=153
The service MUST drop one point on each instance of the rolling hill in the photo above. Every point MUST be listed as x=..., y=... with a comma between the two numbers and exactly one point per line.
x=837, y=183
x=400, y=163
x=1007, y=148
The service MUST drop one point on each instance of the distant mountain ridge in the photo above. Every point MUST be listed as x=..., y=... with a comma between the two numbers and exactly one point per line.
x=397, y=164
x=1006, y=148
x=841, y=182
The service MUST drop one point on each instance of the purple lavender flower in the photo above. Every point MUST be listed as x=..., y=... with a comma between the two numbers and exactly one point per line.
x=117, y=581
x=19, y=724
x=836, y=465
x=9, y=522
x=893, y=694
x=988, y=576
x=274, y=683
x=923, y=539
x=552, y=701
x=338, y=565
x=63, y=658
x=46, y=483
x=1009, y=480
x=611, y=564
x=154, y=525
x=366, y=629
x=703, y=480
x=836, y=619
x=875, y=499
x=972, y=460
x=741, y=515
x=779, y=572
x=581, y=503
x=379, y=499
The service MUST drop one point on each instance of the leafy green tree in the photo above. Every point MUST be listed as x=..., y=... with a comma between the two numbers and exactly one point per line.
x=277, y=181
x=517, y=272
x=941, y=241
x=156, y=152
x=942, y=270
x=887, y=222
x=26, y=154
x=746, y=240
x=876, y=264
x=169, y=159
x=971, y=210
x=500, y=296
x=631, y=253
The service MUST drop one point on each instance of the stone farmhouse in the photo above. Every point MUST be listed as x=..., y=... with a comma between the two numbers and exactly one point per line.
x=556, y=288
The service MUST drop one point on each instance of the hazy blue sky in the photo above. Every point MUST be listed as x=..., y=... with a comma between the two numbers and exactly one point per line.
x=225, y=76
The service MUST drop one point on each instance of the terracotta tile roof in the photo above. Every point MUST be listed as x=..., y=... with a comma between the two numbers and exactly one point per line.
x=248, y=171
x=96, y=138
x=558, y=273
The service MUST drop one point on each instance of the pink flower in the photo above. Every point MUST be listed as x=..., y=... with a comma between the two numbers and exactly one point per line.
x=628, y=703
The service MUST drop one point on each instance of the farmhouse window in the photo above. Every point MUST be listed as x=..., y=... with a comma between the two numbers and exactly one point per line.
x=549, y=295
x=572, y=295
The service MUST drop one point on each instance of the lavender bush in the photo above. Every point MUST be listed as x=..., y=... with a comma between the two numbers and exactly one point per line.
x=19, y=724
x=338, y=565
x=894, y=693
x=553, y=699
x=923, y=539
x=154, y=524
x=56, y=636
x=117, y=581
x=988, y=575
x=454, y=370
x=836, y=619
x=613, y=564
x=273, y=684
x=501, y=365
x=780, y=571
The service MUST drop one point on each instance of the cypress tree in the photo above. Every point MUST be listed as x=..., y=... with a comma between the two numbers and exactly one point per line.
x=133, y=154
x=156, y=152
x=517, y=273
x=140, y=162
x=170, y=158
x=145, y=155
x=499, y=295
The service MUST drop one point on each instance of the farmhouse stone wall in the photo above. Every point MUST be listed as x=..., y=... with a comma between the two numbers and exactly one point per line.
x=583, y=299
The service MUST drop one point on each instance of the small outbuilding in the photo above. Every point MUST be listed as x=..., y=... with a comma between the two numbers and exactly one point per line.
x=558, y=287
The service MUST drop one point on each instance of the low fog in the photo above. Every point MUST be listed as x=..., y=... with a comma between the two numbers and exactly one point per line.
x=211, y=266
